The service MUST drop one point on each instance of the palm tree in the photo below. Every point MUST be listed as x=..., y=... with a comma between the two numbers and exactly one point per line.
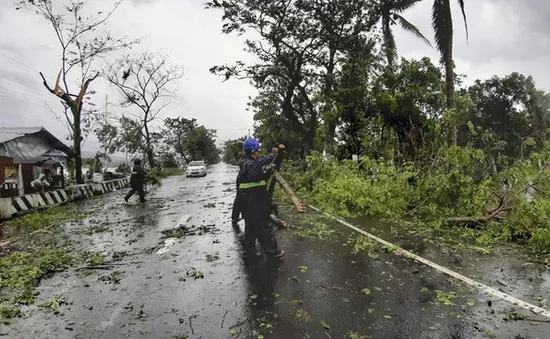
x=442, y=23
x=390, y=14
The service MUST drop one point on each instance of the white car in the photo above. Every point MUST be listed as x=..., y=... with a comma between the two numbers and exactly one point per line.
x=196, y=169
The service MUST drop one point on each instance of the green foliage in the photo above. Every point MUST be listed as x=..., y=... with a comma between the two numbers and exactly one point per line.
x=458, y=182
x=364, y=244
x=154, y=176
x=9, y=312
x=168, y=160
x=356, y=335
x=21, y=272
x=398, y=120
x=47, y=219
x=446, y=298
x=531, y=219
x=190, y=140
x=512, y=100
x=315, y=228
x=53, y=304
x=169, y=172
x=123, y=168
x=233, y=150
x=365, y=188
x=96, y=259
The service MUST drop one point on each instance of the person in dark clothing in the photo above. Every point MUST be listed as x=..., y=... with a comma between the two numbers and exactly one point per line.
x=236, y=209
x=254, y=201
x=137, y=180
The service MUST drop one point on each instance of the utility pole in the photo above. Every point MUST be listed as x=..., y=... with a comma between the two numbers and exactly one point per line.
x=106, y=114
x=249, y=132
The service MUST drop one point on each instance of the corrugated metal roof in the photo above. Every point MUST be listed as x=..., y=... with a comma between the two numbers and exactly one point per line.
x=10, y=133
x=25, y=144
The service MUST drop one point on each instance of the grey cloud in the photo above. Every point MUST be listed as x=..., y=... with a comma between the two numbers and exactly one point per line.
x=505, y=36
x=518, y=33
x=193, y=38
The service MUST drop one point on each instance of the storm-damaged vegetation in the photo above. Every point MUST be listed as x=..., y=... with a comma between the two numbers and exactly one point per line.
x=457, y=190
x=32, y=248
x=405, y=139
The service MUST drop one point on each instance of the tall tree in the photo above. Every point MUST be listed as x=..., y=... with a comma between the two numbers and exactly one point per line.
x=233, y=151
x=442, y=23
x=146, y=83
x=301, y=46
x=342, y=25
x=285, y=50
x=82, y=42
x=176, y=133
x=513, y=110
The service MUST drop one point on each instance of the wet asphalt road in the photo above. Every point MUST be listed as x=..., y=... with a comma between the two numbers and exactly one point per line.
x=153, y=287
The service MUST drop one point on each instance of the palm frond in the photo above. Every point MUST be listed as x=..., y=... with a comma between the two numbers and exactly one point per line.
x=461, y=3
x=442, y=24
x=406, y=25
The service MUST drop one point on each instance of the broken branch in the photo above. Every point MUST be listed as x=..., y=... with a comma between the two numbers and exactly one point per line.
x=46, y=84
x=288, y=191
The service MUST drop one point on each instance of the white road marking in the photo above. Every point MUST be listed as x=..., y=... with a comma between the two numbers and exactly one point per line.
x=487, y=289
x=168, y=243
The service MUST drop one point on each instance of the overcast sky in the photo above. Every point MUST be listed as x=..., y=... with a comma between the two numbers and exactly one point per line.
x=505, y=36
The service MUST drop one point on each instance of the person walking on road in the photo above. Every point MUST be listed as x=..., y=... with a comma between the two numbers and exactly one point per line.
x=254, y=201
x=137, y=180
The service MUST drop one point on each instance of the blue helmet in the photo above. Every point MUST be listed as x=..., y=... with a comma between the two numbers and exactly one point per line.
x=250, y=145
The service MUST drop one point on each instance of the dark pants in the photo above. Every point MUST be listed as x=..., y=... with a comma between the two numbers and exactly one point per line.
x=260, y=229
x=236, y=210
x=139, y=190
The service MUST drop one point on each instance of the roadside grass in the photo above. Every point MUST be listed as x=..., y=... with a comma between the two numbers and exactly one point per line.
x=155, y=175
x=169, y=172
x=32, y=248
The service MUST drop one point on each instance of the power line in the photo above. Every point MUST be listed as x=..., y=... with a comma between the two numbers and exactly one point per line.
x=42, y=90
x=41, y=104
x=27, y=96
x=18, y=62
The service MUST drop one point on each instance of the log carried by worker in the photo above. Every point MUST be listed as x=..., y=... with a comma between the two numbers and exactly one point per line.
x=289, y=192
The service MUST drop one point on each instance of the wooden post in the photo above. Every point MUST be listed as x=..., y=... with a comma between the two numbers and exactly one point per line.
x=288, y=191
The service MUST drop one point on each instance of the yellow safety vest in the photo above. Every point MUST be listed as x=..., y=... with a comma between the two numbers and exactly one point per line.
x=245, y=185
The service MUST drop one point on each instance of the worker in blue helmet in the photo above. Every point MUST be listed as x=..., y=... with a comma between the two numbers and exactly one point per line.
x=236, y=209
x=254, y=201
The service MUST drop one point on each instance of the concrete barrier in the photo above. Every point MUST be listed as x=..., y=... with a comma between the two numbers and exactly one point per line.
x=11, y=206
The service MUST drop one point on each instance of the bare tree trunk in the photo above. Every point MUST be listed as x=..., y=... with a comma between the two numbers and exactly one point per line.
x=450, y=88
x=77, y=144
x=330, y=120
x=149, y=148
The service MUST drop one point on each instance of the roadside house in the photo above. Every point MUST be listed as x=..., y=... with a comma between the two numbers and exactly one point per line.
x=25, y=154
